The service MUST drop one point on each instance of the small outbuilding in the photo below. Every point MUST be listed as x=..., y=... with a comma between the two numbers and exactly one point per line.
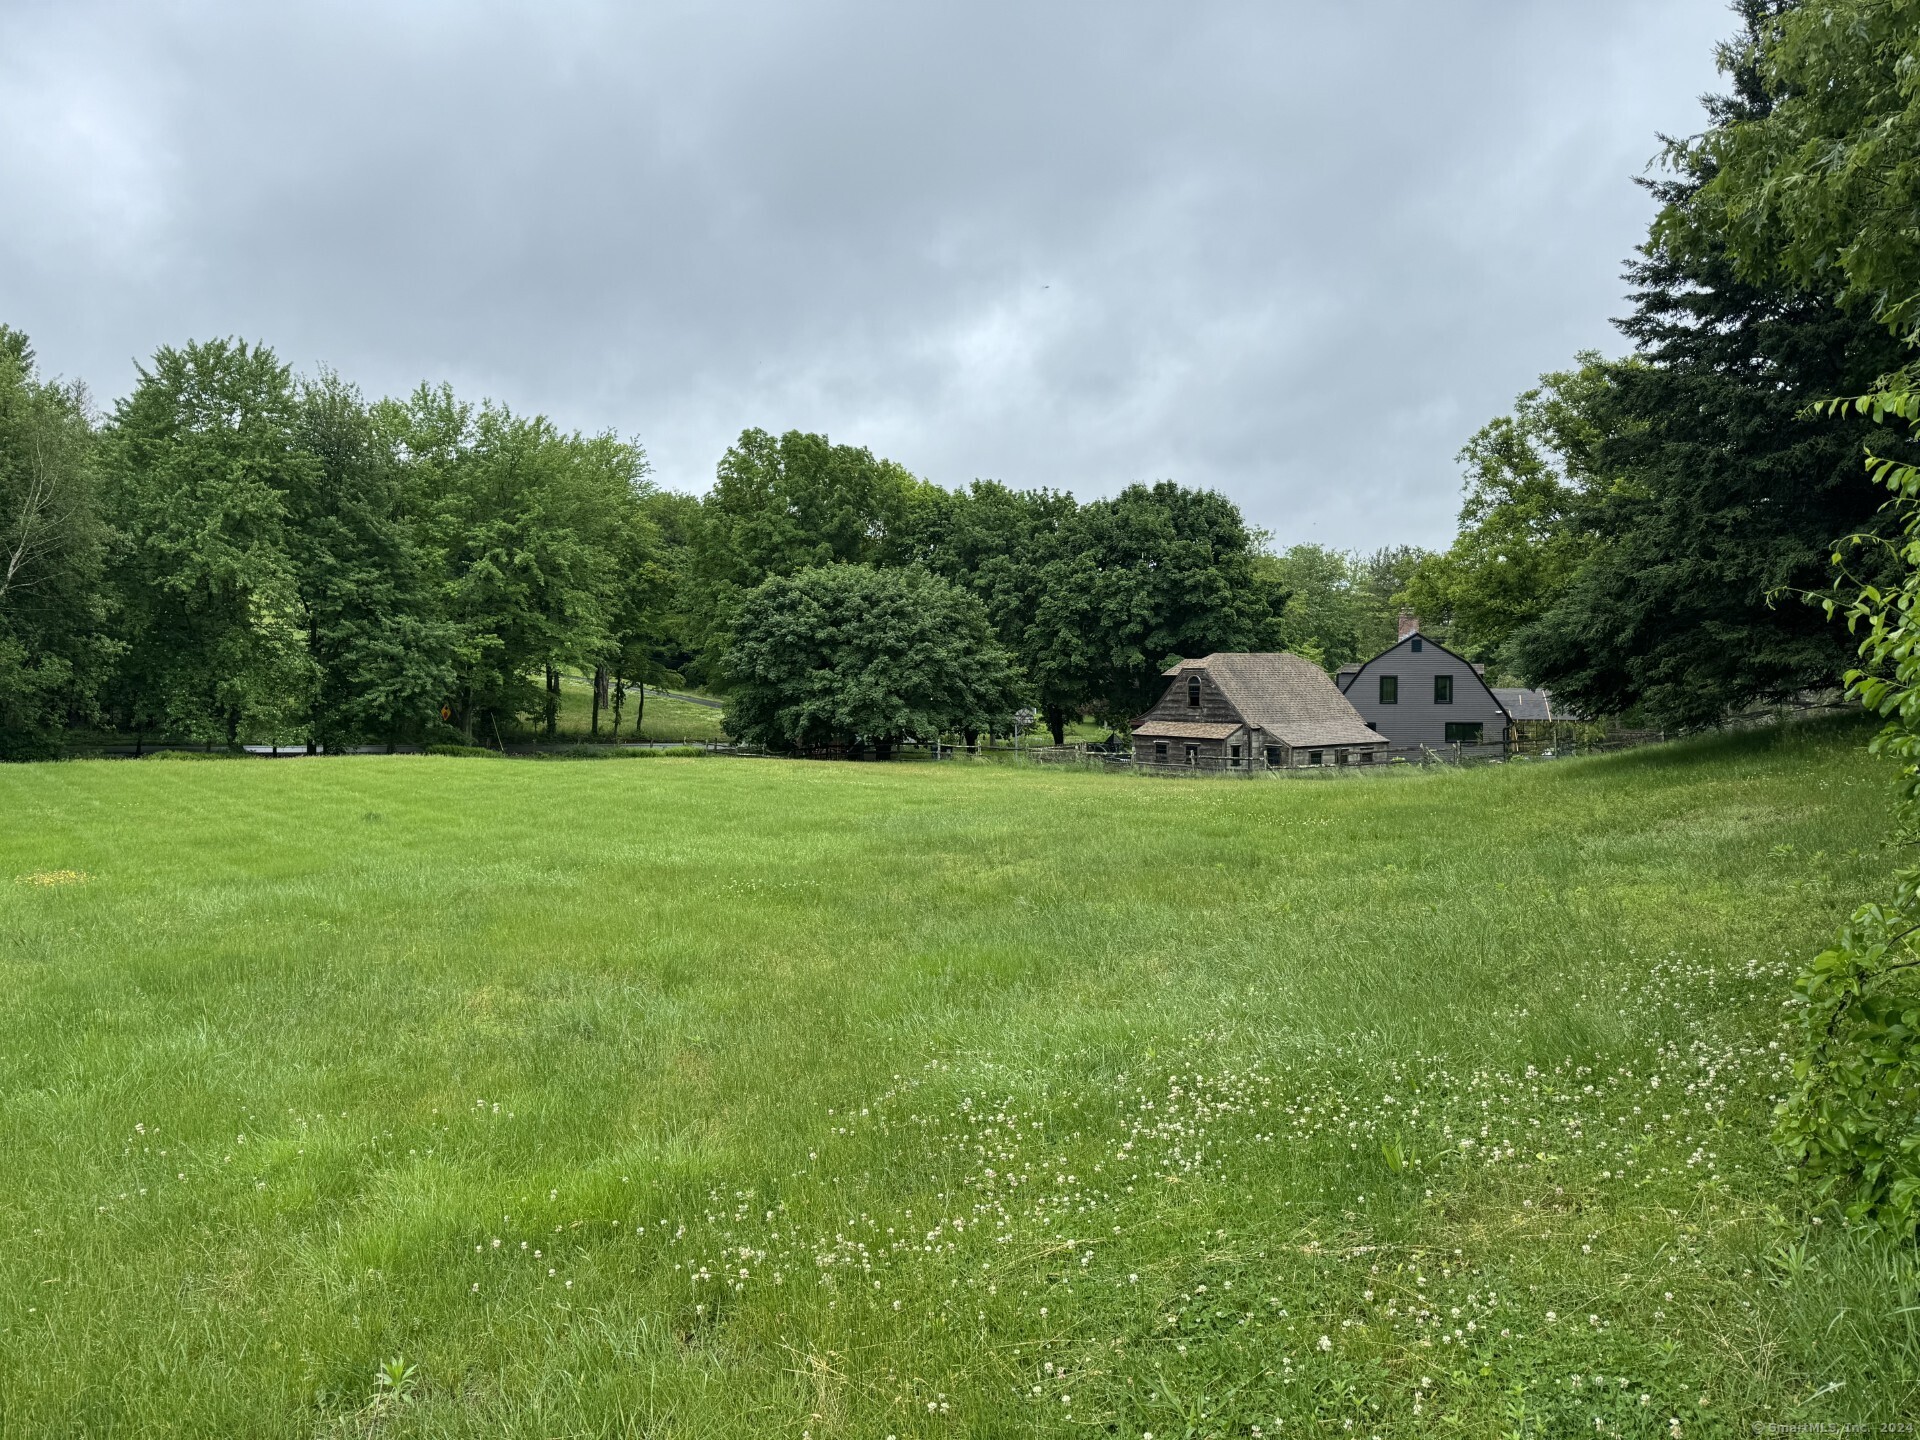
x=1418, y=694
x=1247, y=711
x=1527, y=707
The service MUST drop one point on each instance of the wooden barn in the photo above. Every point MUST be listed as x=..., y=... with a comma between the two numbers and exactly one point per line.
x=1252, y=711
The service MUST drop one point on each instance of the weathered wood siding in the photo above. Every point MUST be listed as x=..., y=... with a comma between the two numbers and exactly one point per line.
x=1213, y=754
x=1214, y=707
x=1415, y=719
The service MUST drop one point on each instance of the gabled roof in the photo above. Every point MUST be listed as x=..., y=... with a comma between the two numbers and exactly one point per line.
x=1477, y=671
x=1525, y=704
x=1293, y=700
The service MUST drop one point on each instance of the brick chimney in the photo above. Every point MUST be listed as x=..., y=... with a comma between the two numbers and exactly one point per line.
x=1409, y=624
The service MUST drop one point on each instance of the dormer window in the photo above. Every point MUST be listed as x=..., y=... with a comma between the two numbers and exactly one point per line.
x=1193, y=692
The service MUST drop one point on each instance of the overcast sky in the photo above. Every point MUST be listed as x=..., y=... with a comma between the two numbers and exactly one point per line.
x=1295, y=252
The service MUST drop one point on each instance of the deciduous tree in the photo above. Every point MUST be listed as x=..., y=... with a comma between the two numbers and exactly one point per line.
x=841, y=655
x=53, y=649
x=199, y=461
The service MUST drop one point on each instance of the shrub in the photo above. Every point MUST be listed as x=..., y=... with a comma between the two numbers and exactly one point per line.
x=1851, y=1120
x=472, y=751
x=841, y=654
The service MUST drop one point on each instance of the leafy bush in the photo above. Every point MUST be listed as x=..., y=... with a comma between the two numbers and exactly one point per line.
x=1852, y=1117
x=842, y=654
x=472, y=751
x=198, y=755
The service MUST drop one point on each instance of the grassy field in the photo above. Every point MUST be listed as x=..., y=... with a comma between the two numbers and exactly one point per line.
x=663, y=717
x=420, y=1096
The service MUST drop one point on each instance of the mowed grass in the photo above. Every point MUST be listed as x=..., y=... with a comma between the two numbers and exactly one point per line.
x=662, y=717
x=742, y=1098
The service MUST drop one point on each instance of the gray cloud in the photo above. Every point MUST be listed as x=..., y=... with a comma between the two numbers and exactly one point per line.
x=1294, y=252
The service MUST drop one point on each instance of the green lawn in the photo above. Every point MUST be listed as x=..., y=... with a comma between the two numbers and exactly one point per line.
x=756, y=1098
x=662, y=717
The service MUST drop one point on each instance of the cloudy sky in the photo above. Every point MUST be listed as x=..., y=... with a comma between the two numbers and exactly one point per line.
x=1296, y=252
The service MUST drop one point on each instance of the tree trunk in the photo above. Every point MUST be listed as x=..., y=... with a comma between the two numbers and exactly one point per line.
x=599, y=699
x=619, y=703
x=640, y=711
x=1057, y=723
x=553, y=702
x=972, y=737
x=313, y=653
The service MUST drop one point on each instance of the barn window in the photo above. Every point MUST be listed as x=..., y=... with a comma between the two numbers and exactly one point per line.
x=1366, y=757
x=1273, y=754
x=1416, y=645
x=1313, y=757
x=1159, y=752
x=1443, y=689
x=1193, y=692
x=1463, y=733
x=1193, y=754
x=1236, y=756
x=1389, y=689
x=1339, y=757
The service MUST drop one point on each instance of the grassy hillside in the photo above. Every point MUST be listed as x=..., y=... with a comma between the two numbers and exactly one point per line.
x=710, y=1097
x=662, y=718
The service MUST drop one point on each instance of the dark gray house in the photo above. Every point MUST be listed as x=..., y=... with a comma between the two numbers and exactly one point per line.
x=1421, y=694
x=1252, y=711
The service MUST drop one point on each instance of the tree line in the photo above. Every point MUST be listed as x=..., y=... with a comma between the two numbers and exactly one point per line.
x=233, y=552
x=1643, y=533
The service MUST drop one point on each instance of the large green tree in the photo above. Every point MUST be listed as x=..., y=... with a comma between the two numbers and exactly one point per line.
x=999, y=543
x=845, y=655
x=1714, y=495
x=783, y=504
x=533, y=528
x=1335, y=607
x=1818, y=180
x=199, y=461
x=381, y=646
x=1153, y=574
x=53, y=648
x=1521, y=538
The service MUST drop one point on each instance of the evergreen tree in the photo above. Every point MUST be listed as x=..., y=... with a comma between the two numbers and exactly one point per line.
x=1719, y=495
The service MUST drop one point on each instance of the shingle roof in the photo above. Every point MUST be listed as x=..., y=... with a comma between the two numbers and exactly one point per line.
x=1187, y=730
x=1293, y=700
x=1525, y=704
